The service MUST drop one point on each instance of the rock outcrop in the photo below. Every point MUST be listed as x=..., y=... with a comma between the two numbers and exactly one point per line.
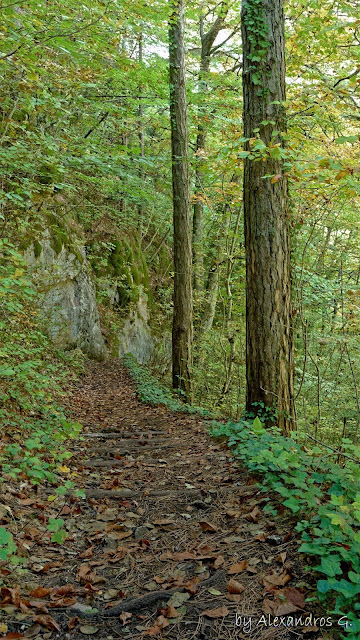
x=68, y=300
x=135, y=336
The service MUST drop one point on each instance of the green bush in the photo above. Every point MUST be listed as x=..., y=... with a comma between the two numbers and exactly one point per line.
x=151, y=392
x=32, y=375
x=324, y=496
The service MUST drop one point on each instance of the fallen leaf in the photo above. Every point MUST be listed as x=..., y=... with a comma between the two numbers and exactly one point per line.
x=220, y=612
x=295, y=596
x=254, y=515
x=73, y=622
x=88, y=629
x=33, y=631
x=88, y=553
x=38, y=604
x=125, y=616
x=281, y=557
x=163, y=523
x=170, y=612
x=267, y=606
x=63, y=602
x=214, y=592
x=48, y=622
x=284, y=609
x=180, y=557
x=235, y=587
x=66, y=589
x=40, y=592
x=277, y=579
x=238, y=567
x=10, y=595
x=192, y=585
x=219, y=562
x=124, y=534
x=178, y=599
x=84, y=569
x=207, y=526
x=234, y=597
x=160, y=624
x=12, y=636
x=64, y=469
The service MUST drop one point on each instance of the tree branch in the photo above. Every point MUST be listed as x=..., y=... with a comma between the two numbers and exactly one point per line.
x=347, y=77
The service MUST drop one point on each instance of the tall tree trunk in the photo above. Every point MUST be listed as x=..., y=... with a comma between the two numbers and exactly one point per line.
x=141, y=133
x=269, y=344
x=212, y=285
x=207, y=42
x=182, y=330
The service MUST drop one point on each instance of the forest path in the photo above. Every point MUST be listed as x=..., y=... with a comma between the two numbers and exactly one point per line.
x=168, y=514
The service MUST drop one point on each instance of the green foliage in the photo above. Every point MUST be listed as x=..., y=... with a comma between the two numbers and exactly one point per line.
x=8, y=547
x=325, y=495
x=56, y=526
x=31, y=378
x=151, y=392
x=258, y=35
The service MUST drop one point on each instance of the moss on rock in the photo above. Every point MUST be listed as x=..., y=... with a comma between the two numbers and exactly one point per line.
x=37, y=249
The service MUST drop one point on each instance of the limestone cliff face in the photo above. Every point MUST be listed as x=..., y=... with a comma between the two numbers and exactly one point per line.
x=135, y=336
x=68, y=300
x=64, y=278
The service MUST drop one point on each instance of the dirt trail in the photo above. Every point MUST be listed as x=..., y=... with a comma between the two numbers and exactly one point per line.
x=168, y=514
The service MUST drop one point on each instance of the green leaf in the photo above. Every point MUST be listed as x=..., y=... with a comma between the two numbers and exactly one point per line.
x=59, y=536
x=292, y=503
x=324, y=586
x=258, y=426
x=6, y=371
x=55, y=524
x=343, y=139
x=330, y=566
x=5, y=536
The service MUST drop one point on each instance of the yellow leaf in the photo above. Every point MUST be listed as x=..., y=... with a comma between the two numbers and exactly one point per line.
x=64, y=469
x=276, y=178
x=52, y=498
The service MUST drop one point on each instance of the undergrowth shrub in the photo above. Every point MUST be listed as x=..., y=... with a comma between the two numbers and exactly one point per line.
x=151, y=392
x=325, y=498
x=34, y=424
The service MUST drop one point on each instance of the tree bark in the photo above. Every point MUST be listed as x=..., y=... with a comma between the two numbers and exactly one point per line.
x=212, y=286
x=269, y=343
x=182, y=330
x=141, y=133
x=207, y=42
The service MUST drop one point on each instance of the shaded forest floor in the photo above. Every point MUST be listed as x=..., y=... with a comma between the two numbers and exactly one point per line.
x=172, y=533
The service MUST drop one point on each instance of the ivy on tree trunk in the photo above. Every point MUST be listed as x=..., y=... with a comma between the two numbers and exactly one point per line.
x=269, y=343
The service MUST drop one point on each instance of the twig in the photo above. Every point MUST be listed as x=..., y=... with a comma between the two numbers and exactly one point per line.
x=354, y=73
x=327, y=446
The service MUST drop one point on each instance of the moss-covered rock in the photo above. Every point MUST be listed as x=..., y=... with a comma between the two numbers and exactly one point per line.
x=37, y=249
x=68, y=295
